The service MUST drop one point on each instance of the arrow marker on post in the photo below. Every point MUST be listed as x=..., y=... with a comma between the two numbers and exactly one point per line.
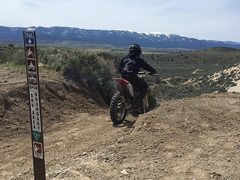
x=29, y=41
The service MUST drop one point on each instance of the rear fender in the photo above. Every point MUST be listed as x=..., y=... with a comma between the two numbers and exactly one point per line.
x=124, y=87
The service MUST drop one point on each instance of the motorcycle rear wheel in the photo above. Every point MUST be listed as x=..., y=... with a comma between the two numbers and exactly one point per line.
x=117, y=110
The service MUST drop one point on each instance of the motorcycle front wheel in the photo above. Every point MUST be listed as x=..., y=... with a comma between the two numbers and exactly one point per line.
x=117, y=110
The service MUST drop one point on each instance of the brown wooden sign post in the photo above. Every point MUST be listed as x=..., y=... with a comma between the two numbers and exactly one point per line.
x=30, y=47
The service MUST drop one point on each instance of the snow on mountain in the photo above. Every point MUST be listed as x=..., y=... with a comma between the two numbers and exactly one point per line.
x=117, y=38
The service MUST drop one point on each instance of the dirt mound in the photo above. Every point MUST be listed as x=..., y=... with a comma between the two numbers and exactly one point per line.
x=184, y=139
x=195, y=138
x=59, y=99
x=192, y=138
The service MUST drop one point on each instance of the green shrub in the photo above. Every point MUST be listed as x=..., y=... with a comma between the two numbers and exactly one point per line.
x=152, y=101
x=18, y=57
x=93, y=71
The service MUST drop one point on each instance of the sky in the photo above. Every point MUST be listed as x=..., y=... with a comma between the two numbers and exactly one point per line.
x=200, y=19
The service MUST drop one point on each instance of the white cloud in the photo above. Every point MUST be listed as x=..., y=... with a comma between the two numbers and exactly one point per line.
x=201, y=19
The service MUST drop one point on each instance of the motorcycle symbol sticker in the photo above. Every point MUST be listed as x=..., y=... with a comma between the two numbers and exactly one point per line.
x=38, y=151
x=30, y=52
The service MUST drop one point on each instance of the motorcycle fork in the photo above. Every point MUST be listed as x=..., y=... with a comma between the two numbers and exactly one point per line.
x=145, y=101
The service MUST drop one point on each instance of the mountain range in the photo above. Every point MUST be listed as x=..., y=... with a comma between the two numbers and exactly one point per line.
x=75, y=37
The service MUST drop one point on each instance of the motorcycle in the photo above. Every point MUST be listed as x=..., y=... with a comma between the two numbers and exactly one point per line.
x=123, y=100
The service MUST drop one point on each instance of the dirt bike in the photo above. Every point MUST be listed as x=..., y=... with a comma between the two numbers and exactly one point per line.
x=123, y=100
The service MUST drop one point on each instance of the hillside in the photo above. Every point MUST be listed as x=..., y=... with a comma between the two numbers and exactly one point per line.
x=76, y=37
x=228, y=78
x=191, y=138
x=61, y=98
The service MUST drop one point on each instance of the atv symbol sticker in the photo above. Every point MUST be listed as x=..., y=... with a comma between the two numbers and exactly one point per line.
x=37, y=150
x=31, y=65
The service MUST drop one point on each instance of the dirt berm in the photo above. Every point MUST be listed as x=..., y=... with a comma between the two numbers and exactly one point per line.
x=194, y=138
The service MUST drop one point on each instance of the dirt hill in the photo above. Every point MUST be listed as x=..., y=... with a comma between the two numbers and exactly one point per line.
x=60, y=98
x=193, y=138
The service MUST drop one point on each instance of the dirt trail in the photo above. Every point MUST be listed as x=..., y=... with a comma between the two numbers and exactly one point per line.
x=67, y=144
x=195, y=138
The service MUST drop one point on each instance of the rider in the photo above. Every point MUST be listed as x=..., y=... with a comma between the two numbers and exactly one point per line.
x=129, y=67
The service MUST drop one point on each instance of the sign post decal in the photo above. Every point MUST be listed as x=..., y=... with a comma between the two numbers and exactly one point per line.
x=30, y=47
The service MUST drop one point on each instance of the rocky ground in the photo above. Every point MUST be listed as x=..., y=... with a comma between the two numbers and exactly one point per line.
x=192, y=138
